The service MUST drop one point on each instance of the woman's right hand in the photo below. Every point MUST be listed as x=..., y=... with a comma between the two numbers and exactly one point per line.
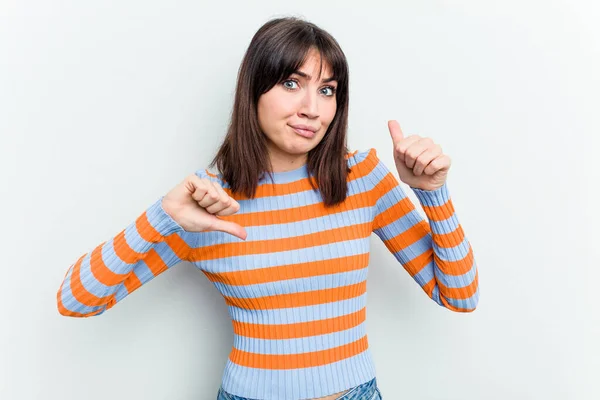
x=195, y=203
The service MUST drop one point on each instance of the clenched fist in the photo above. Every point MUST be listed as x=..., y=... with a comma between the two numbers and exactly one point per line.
x=195, y=204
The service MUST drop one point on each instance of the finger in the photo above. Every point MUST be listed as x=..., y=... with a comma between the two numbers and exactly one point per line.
x=199, y=188
x=415, y=149
x=211, y=195
x=395, y=132
x=437, y=164
x=425, y=158
x=401, y=148
x=231, y=228
x=222, y=201
x=226, y=204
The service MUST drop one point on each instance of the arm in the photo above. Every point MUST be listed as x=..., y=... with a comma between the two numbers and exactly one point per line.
x=436, y=253
x=146, y=248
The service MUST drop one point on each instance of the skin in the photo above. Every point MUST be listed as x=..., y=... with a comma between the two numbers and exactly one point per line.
x=297, y=100
x=420, y=161
x=303, y=101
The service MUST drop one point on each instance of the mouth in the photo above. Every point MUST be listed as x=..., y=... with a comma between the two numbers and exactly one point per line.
x=303, y=132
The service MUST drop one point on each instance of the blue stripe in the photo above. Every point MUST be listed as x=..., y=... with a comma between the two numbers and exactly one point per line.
x=425, y=244
x=302, y=383
x=450, y=281
x=445, y=226
x=291, y=229
x=69, y=300
x=316, y=253
x=135, y=241
x=299, y=345
x=469, y=303
x=296, y=285
x=294, y=315
x=89, y=281
x=304, y=198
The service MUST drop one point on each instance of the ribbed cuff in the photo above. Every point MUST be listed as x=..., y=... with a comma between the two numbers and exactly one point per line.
x=160, y=220
x=435, y=197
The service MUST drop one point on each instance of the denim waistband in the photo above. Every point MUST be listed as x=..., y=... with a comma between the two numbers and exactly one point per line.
x=364, y=391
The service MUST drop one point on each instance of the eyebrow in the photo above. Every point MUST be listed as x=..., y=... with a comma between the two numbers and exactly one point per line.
x=305, y=75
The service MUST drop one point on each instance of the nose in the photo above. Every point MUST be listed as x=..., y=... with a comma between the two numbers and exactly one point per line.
x=309, y=107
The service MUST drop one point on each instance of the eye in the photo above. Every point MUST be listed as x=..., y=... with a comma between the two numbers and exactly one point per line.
x=288, y=86
x=331, y=88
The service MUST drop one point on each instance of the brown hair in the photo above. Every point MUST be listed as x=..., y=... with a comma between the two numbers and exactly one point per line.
x=278, y=49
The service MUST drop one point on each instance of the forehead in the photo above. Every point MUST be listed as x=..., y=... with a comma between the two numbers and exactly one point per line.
x=312, y=67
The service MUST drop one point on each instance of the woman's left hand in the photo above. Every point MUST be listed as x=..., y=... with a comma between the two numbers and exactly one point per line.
x=420, y=162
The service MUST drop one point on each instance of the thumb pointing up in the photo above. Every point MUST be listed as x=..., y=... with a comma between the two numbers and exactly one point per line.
x=395, y=132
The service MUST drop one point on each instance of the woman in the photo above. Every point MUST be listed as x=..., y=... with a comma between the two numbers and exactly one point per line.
x=282, y=227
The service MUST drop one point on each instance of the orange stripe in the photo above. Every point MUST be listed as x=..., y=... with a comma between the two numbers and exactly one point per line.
x=346, y=156
x=454, y=268
x=441, y=212
x=458, y=267
x=290, y=271
x=109, y=278
x=408, y=237
x=451, y=307
x=302, y=360
x=393, y=213
x=460, y=293
x=61, y=307
x=178, y=246
x=124, y=251
x=415, y=265
x=101, y=272
x=151, y=235
x=450, y=239
x=454, y=293
x=417, y=231
x=351, y=154
x=155, y=263
x=146, y=230
x=272, y=189
x=80, y=293
x=429, y=286
x=132, y=282
x=296, y=214
x=300, y=329
x=68, y=313
x=299, y=299
x=359, y=231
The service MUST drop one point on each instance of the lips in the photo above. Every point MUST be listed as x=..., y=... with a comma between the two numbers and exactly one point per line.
x=304, y=127
x=303, y=132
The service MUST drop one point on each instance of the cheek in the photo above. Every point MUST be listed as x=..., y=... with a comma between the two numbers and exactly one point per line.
x=330, y=113
x=278, y=110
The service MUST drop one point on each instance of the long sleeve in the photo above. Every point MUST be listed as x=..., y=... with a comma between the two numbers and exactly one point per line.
x=437, y=253
x=146, y=248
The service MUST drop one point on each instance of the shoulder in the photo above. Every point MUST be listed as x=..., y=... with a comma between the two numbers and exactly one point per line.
x=211, y=175
x=363, y=158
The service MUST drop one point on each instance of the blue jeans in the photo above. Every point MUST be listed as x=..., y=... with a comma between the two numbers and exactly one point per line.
x=366, y=391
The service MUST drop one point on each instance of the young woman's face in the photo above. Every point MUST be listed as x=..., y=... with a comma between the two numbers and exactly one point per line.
x=298, y=100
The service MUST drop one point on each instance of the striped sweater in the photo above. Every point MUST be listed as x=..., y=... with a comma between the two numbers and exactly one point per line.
x=296, y=287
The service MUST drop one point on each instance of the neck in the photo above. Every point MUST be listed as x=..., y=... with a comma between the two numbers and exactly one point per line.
x=286, y=162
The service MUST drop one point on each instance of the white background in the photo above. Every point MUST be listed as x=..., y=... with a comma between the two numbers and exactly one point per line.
x=106, y=105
